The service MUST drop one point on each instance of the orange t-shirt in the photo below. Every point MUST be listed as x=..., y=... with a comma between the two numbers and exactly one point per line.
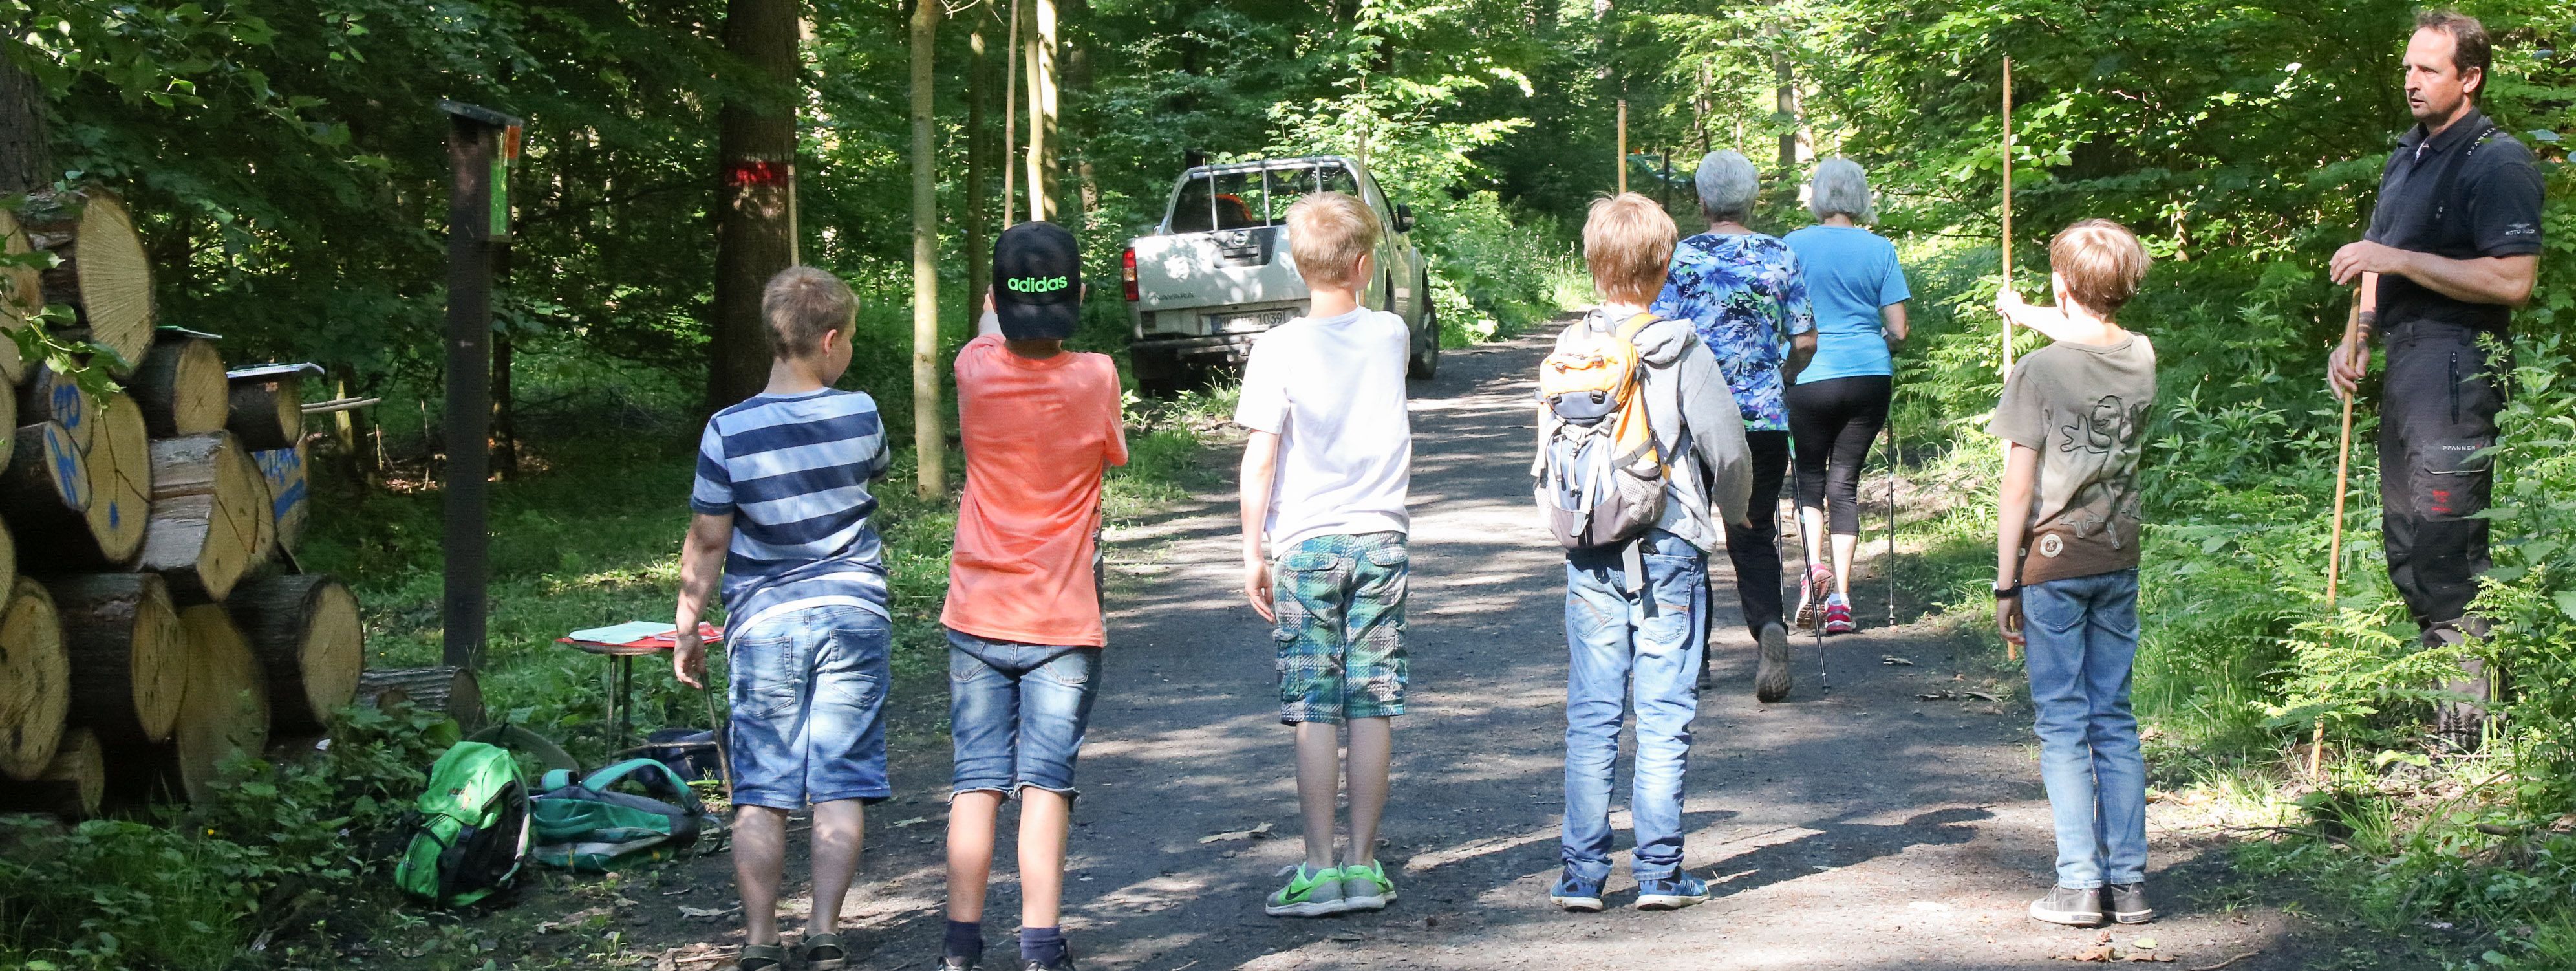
x=1038, y=436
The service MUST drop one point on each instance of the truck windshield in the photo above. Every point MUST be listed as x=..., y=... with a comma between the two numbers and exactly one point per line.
x=1245, y=200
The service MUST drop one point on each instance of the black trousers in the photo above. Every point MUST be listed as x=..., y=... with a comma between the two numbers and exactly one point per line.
x=2437, y=408
x=1833, y=422
x=1755, y=549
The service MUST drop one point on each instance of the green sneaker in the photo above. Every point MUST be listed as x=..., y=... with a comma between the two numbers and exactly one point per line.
x=1365, y=887
x=1307, y=895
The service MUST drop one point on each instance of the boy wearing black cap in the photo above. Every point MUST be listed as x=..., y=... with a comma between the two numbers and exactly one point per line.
x=1040, y=424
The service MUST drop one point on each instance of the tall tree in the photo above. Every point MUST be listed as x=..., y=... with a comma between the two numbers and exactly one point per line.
x=26, y=156
x=756, y=140
x=929, y=438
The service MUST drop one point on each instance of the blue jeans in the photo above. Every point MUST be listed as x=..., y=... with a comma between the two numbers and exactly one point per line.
x=1648, y=644
x=2083, y=634
x=1017, y=712
x=808, y=692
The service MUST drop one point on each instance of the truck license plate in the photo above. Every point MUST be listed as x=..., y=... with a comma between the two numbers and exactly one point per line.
x=1247, y=323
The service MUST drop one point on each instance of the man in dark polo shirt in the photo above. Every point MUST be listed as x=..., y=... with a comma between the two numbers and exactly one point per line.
x=2454, y=247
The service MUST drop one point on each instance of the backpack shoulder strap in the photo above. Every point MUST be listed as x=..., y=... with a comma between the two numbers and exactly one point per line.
x=656, y=777
x=2449, y=181
x=1637, y=325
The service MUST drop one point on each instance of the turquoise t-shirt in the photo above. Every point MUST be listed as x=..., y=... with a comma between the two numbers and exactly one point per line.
x=1851, y=272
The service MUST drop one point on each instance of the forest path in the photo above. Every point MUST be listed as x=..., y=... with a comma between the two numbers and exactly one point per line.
x=1855, y=828
x=1858, y=827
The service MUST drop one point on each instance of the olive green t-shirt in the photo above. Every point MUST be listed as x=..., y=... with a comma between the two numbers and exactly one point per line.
x=2084, y=408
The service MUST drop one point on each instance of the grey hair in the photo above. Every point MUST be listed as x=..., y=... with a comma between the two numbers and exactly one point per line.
x=1840, y=188
x=1727, y=186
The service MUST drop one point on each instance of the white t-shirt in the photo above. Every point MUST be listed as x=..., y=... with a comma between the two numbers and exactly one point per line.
x=1332, y=389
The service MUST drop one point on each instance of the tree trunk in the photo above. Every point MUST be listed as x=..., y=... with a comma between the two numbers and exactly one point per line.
x=305, y=630
x=1042, y=111
x=756, y=141
x=49, y=396
x=35, y=680
x=288, y=475
x=211, y=516
x=1077, y=79
x=46, y=488
x=181, y=387
x=26, y=156
x=22, y=294
x=929, y=436
x=225, y=711
x=266, y=412
x=451, y=691
x=979, y=162
x=69, y=786
x=129, y=658
x=104, y=274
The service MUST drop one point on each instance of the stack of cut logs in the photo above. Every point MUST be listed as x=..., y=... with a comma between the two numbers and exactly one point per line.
x=152, y=620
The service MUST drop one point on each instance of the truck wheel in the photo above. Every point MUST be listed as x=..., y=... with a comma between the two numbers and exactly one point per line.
x=1158, y=373
x=1425, y=363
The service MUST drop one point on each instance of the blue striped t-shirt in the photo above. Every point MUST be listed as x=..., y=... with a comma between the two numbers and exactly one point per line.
x=793, y=472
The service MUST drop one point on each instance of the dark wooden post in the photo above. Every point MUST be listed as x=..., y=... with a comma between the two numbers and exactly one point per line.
x=480, y=142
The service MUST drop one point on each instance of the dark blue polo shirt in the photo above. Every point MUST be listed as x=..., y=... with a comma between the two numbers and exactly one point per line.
x=2493, y=209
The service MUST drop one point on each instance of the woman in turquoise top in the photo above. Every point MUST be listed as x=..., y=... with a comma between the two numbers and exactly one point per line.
x=1838, y=402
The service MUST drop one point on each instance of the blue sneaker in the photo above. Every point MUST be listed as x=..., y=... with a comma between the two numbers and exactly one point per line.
x=1572, y=892
x=1671, y=893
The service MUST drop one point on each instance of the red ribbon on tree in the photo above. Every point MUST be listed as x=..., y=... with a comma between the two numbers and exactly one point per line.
x=749, y=173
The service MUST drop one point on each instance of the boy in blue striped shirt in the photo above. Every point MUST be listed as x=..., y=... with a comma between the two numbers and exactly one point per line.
x=782, y=503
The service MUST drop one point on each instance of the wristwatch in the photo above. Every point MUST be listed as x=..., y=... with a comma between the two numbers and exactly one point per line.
x=2007, y=593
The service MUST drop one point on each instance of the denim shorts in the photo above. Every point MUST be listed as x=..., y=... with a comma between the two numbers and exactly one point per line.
x=1016, y=712
x=808, y=692
x=1340, y=601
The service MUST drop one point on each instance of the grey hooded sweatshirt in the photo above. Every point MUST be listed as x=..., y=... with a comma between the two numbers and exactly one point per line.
x=1686, y=399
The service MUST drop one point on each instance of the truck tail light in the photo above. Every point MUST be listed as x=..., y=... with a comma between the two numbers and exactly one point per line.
x=1127, y=272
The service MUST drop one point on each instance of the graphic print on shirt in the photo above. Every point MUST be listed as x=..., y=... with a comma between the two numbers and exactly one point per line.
x=1745, y=296
x=2099, y=447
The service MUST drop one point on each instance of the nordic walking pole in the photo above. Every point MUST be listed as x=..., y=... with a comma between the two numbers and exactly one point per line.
x=1806, y=569
x=2363, y=316
x=1892, y=472
x=724, y=760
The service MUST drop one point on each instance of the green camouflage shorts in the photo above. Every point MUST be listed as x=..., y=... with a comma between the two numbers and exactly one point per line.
x=1341, y=628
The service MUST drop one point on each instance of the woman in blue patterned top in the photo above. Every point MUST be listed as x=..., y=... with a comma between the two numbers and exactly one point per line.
x=1743, y=292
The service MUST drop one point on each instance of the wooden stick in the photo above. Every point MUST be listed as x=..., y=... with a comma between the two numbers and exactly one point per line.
x=1623, y=144
x=2343, y=469
x=2007, y=238
x=1010, y=123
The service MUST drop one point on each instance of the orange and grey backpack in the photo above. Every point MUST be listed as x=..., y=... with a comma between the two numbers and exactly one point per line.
x=1600, y=474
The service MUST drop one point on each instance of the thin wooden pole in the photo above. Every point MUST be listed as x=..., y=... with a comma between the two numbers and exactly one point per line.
x=929, y=439
x=2363, y=295
x=1010, y=121
x=1623, y=144
x=2008, y=194
x=1042, y=111
x=1892, y=472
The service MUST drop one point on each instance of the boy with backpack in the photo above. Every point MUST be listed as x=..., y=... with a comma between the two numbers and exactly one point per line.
x=1641, y=464
x=1040, y=425
x=1323, y=486
x=2066, y=562
x=782, y=506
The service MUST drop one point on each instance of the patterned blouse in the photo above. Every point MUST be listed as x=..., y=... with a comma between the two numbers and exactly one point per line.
x=1746, y=297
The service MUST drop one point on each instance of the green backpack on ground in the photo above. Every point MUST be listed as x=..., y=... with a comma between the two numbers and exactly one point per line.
x=469, y=831
x=590, y=827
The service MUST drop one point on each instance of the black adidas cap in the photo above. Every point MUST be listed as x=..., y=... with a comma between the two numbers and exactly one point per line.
x=1037, y=282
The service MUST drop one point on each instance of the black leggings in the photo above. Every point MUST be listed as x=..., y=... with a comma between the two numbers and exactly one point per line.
x=1832, y=423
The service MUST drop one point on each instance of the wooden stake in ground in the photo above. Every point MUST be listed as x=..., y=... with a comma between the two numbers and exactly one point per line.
x=104, y=273
x=2357, y=322
x=210, y=516
x=1623, y=144
x=35, y=681
x=2007, y=237
x=450, y=690
x=69, y=786
x=225, y=711
x=305, y=630
x=128, y=655
x=181, y=387
x=929, y=439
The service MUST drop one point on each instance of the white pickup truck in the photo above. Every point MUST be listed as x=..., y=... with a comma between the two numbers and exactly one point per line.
x=1215, y=273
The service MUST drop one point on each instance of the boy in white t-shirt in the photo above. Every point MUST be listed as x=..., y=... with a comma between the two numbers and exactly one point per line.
x=1324, y=479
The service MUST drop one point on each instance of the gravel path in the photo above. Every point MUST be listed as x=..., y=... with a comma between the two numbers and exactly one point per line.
x=1856, y=828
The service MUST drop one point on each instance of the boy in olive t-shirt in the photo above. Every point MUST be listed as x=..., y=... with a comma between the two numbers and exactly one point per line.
x=2066, y=563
